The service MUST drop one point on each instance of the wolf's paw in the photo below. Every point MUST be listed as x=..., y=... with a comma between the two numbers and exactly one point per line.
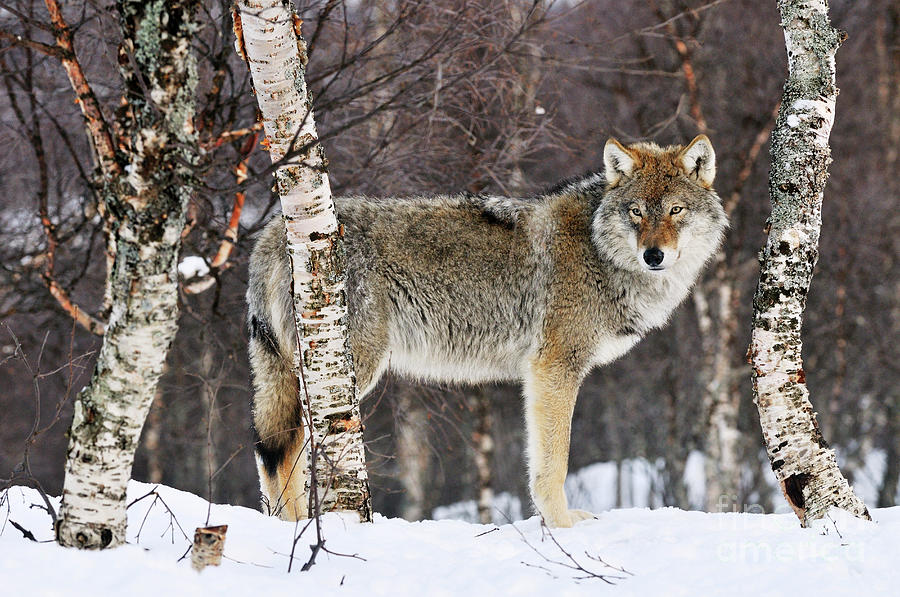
x=579, y=515
x=567, y=518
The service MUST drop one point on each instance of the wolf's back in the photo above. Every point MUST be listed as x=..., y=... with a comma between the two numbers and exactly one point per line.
x=443, y=284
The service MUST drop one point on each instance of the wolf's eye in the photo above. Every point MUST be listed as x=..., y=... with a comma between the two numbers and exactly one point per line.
x=675, y=210
x=636, y=212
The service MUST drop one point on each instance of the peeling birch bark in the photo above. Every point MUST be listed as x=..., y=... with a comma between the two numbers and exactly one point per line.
x=102, y=144
x=145, y=207
x=276, y=54
x=802, y=461
x=208, y=547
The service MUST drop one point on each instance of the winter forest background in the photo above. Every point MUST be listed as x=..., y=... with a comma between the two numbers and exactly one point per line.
x=441, y=96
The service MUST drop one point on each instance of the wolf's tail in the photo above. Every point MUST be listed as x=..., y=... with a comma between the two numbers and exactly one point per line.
x=277, y=414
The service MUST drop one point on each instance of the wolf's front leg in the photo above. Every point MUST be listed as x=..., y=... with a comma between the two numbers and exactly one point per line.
x=550, y=392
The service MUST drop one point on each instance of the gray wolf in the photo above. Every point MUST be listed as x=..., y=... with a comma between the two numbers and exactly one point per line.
x=472, y=289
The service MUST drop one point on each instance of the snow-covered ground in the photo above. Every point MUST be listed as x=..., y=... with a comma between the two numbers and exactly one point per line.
x=595, y=488
x=665, y=552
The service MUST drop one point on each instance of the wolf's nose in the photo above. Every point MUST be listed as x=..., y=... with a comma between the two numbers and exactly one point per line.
x=653, y=257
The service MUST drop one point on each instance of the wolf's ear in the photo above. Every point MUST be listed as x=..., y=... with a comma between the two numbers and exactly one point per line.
x=618, y=161
x=698, y=159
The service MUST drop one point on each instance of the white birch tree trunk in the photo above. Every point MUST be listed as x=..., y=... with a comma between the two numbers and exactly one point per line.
x=525, y=93
x=483, y=444
x=152, y=435
x=800, y=457
x=276, y=54
x=412, y=455
x=723, y=438
x=145, y=209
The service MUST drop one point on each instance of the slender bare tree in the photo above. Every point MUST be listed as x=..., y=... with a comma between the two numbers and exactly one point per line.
x=801, y=459
x=483, y=447
x=276, y=52
x=145, y=188
x=413, y=454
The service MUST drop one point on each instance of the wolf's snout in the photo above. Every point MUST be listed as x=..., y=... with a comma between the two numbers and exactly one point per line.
x=653, y=257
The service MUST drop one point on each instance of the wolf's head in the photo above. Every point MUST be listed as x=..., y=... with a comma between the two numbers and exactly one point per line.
x=660, y=212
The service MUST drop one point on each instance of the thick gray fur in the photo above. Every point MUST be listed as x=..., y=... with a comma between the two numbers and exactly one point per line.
x=474, y=289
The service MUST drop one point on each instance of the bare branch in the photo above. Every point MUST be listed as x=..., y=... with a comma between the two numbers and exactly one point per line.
x=24, y=42
x=98, y=130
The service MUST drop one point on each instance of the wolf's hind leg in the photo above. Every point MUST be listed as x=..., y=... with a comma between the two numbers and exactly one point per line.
x=277, y=419
x=368, y=324
x=550, y=392
x=283, y=485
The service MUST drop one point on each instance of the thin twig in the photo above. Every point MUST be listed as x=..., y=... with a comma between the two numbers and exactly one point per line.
x=572, y=563
x=25, y=532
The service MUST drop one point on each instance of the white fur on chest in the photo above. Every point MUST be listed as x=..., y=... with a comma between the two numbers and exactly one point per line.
x=612, y=347
x=656, y=303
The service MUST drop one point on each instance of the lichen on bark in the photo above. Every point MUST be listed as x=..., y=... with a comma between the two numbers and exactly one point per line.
x=144, y=208
x=803, y=464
